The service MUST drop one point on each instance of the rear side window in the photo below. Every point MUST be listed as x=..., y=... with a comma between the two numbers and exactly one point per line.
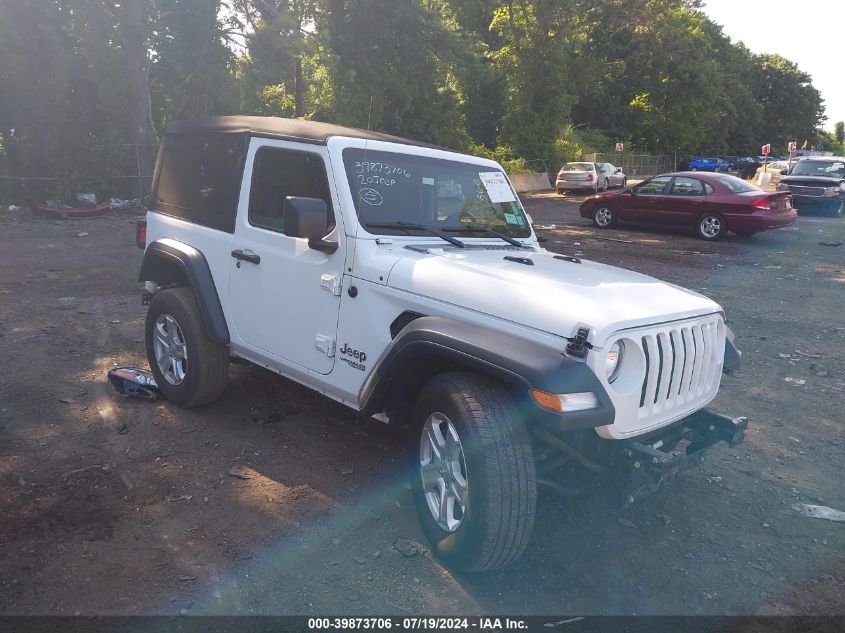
x=686, y=187
x=279, y=173
x=199, y=179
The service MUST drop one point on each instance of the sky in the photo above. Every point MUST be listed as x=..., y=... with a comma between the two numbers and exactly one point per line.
x=807, y=32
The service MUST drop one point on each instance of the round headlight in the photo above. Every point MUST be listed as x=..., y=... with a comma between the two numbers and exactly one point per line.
x=613, y=360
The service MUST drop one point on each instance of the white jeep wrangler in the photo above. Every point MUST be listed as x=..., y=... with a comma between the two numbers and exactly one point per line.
x=405, y=281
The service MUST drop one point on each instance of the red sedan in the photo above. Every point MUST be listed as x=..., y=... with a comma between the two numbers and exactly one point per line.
x=712, y=203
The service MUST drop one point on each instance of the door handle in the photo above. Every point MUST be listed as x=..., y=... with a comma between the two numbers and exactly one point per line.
x=247, y=256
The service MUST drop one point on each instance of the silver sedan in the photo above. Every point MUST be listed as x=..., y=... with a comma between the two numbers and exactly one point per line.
x=589, y=176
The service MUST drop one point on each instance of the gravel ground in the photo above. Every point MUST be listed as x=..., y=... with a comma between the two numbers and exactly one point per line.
x=276, y=500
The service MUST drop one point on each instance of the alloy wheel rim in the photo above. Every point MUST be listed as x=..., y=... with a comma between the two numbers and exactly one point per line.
x=710, y=226
x=443, y=472
x=171, y=352
x=603, y=217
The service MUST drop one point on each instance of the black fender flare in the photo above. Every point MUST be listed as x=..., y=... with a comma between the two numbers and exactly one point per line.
x=430, y=345
x=171, y=261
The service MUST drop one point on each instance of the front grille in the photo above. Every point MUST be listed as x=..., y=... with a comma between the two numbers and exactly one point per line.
x=682, y=365
x=815, y=192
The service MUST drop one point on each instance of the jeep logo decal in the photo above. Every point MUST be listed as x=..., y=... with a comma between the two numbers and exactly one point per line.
x=353, y=357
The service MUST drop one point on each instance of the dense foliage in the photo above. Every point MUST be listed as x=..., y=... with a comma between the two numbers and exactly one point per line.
x=516, y=79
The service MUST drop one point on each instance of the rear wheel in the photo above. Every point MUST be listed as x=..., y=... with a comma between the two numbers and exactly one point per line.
x=475, y=488
x=190, y=369
x=561, y=192
x=711, y=227
x=603, y=216
x=606, y=185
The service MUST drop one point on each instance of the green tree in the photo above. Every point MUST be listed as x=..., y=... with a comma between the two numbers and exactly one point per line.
x=391, y=67
x=792, y=107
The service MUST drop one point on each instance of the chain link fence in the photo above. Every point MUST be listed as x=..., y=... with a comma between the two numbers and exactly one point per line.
x=635, y=165
x=34, y=173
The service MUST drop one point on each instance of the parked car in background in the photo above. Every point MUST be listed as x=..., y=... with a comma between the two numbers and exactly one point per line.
x=589, y=176
x=711, y=203
x=817, y=183
x=775, y=170
x=723, y=165
x=745, y=166
x=699, y=163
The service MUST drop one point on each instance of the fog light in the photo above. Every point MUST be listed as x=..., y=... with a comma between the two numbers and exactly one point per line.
x=565, y=402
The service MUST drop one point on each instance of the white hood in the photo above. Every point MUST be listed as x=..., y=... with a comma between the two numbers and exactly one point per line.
x=553, y=295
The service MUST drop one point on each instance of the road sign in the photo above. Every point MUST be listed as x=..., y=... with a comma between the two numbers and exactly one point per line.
x=620, y=147
x=792, y=146
x=767, y=149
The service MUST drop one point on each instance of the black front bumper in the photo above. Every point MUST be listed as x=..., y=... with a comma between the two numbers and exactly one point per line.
x=655, y=460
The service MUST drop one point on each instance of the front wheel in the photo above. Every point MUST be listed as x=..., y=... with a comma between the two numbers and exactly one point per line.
x=474, y=482
x=624, y=182
x=603, y=216
x=711, y=227
x=190, y=369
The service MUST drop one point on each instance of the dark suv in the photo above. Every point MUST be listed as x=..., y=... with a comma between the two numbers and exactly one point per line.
x=817, y=183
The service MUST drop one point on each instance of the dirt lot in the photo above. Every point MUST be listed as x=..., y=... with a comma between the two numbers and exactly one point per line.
x=115, y=506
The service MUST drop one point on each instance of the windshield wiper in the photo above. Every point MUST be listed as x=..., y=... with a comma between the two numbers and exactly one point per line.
x=475, y=228
x=411, y=226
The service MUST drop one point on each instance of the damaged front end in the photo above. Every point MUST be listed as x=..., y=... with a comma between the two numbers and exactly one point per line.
x=650, y=462
x=572, y=463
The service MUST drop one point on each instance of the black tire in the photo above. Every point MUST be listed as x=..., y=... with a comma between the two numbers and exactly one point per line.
x=604, y=216
x=205, y=377
x=711, y=227
x=606, y=185
x=624, y=182
x=561, y=192
x=501, y=486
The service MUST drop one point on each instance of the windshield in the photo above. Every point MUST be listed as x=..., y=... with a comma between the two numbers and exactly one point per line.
x=431, y=192
x=833, y=168
x=735, y=184
x=577, y=167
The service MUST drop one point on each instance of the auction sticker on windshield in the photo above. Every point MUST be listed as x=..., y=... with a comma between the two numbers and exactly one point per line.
x=497, y=186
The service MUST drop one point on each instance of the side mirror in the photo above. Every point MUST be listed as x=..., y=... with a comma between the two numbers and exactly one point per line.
x=618, y=170
x=308, y=218
x=784, y=172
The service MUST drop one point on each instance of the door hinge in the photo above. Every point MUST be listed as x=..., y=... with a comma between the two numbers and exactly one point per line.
x=331, y=283
x=325, y=344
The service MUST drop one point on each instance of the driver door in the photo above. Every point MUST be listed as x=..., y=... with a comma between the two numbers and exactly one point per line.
x=644, y=203
x=284, y=297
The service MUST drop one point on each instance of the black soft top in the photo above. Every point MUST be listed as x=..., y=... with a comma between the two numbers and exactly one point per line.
x=306, y=131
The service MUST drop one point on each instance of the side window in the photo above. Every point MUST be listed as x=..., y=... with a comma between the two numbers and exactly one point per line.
x=199, y=178
x=653, y=186
x=708, y=189
x=279, y=173
x=686, y=187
